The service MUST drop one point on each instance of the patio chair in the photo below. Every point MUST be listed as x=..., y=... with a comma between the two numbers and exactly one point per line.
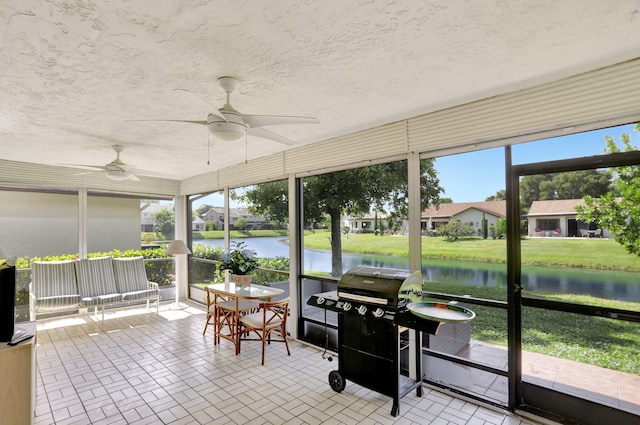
x=598, y=233
x=227, y=311
x=272, y=317
x=210, y=311
x=53, y=286
x=584, y=233
x=97, y=283
x=131, y=281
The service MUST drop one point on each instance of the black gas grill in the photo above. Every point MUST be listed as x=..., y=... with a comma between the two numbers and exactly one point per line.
x=372, y=326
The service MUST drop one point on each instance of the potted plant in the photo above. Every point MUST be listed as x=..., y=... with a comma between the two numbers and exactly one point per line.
x=241, y=262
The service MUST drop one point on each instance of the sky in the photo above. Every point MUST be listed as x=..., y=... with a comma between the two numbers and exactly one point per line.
x=473, y=176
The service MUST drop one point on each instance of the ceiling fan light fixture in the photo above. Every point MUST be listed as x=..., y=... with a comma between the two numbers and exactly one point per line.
x=117, y=175
x=227, y=131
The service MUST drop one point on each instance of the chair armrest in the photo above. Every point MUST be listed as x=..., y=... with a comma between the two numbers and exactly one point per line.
x=32, y=296
x=32, y=303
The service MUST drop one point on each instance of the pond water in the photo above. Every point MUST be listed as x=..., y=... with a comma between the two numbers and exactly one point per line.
x=622, y=286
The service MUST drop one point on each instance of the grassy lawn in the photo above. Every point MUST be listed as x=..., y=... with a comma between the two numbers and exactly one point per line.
x=603, y=254
x=612, y=344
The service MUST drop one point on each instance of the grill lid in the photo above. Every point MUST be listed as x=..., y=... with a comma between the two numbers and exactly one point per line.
x=381, y=286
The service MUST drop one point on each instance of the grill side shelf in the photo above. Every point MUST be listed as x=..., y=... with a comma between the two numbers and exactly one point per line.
x=411, y=321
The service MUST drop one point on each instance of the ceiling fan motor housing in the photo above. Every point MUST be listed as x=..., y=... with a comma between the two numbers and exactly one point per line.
x=117, y=174
x=230, y=131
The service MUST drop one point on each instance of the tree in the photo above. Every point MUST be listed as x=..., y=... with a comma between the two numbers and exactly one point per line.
x=375, y=223
x=455, y=230
x=485, y=228
x=500, y=195
x=619, y=209
x=241, y=223
x=203, y=209
x=164, y=222
x=355, y=192
x=569, y=185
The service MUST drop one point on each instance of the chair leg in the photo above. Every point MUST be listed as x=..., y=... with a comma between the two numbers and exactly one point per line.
x=284, y=336
x=264, y=342
x=209, y=315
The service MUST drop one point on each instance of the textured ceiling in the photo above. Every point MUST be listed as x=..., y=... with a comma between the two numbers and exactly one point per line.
x=74, y=73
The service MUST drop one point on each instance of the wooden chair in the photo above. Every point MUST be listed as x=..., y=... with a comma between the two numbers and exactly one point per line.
x=210, y=311
x=227, y=312
x=272, y=317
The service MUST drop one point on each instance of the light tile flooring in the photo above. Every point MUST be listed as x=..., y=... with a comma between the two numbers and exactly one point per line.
x=142, y=368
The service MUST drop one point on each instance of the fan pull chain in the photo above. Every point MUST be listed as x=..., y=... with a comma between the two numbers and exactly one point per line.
x=246, y=149
x=208, y=149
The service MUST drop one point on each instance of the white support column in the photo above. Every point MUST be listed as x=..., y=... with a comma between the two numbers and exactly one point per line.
x=227, y=219
x=294, y=267
x=82, y=222
x=181, y=226
x=415, y=237
x=227, y=228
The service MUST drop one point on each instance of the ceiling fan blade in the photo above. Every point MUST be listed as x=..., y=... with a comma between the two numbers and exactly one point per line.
x=85, y=167
x=201, y=122
x=214, y=110
x=133, y=177
x=266, y=134
x=263, y=120
x=148, y=173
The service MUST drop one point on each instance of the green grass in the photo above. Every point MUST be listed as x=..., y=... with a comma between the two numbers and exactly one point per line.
x=612, y=344
x=603, y=254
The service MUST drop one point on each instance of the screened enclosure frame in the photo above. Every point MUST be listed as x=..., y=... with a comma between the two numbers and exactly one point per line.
x=527, y=396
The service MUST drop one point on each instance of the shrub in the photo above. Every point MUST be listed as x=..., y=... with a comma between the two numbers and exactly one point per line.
x=205, y=272
x=455, y=230
x=157, y=271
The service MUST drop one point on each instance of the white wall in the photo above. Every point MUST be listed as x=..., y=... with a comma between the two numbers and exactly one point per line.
x=475, y=216
x=38, y=224
x=112, y=223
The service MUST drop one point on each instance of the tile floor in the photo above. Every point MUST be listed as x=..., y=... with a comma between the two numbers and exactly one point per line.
x=143, y=368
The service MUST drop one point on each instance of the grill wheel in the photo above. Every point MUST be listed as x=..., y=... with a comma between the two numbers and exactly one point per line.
x=336, y=381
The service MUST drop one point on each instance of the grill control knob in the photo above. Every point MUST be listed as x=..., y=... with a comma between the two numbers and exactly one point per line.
x=346, y=306
x=320, y=300
x=378, y=312
x=362, y=309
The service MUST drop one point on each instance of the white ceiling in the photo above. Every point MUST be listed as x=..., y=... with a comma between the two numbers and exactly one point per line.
x=73, y=72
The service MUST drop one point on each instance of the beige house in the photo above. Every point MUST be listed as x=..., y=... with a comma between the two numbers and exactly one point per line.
x=559, y=218
x=470, y=213
x=216, y=215
x=367, y=222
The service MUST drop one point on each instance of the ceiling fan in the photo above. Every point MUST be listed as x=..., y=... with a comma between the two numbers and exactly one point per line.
x=116, y=169
x=228, y=125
